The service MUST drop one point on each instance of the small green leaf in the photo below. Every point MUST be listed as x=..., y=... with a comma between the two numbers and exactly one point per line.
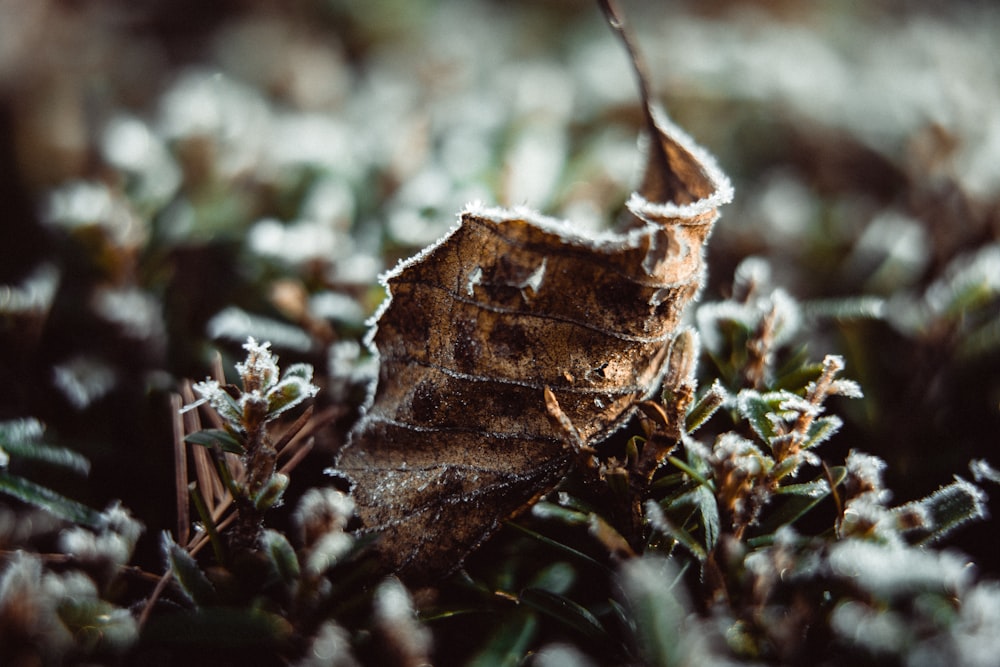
x=818, y=488
x=547, y=510
x=509, y=643
x=48, y=500
x=706, y=406
x=822, y=429
x=229, y=409
x=300, y=370
x=287, y=394
x=660, y=522
x=801, y=499
x=757, y=410
x=20, y=430
x=950, y=507
x=709, y=508
x=57, y=456
x=216, y=437
x=97, y=624
x=658, y=609
x=563, y=548
x=20, y=438
x=565, y=611
x=797, y=371
x=281, y=555
x=185, y=569
x=271, y=494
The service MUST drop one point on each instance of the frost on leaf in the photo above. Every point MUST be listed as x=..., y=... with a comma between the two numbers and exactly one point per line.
x=456, y=436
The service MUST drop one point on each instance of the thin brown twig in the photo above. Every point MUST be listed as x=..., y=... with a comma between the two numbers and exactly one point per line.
x=180, y=469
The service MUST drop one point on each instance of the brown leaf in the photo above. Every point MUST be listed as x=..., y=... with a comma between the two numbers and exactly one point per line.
x=456, y=436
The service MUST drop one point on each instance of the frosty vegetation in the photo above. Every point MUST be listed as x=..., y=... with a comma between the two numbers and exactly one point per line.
x=172, y=191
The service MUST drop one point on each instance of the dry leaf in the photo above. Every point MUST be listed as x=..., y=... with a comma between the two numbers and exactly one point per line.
x=456, y=436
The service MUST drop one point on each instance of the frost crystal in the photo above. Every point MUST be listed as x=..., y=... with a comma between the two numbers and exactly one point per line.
x=260, y=370
x=264, y=397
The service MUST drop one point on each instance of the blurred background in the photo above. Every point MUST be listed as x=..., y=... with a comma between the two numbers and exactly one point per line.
x=176, y=175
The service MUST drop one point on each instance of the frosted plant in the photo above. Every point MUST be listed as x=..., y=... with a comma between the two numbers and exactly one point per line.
x=266, y=394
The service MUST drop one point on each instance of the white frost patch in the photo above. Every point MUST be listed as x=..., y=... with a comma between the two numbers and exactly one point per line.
x=879, y=631
x=893, y=569
x=975, y=274
x=568, y=232
x=206, y=103
x=475, y=278
x=336, y=306
x=395, y=616
x=976, y=635
x=84, y=203
x=130, y=145
x=330, y=648
x=135, y=312
x=560, y=655
x=84, y=380
x=236, y=324
x=534, y=164
x=534, y=281
x=897, y=245
x=982, y=471
x=33, y=295
x=295, y=243
x=867, y=469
